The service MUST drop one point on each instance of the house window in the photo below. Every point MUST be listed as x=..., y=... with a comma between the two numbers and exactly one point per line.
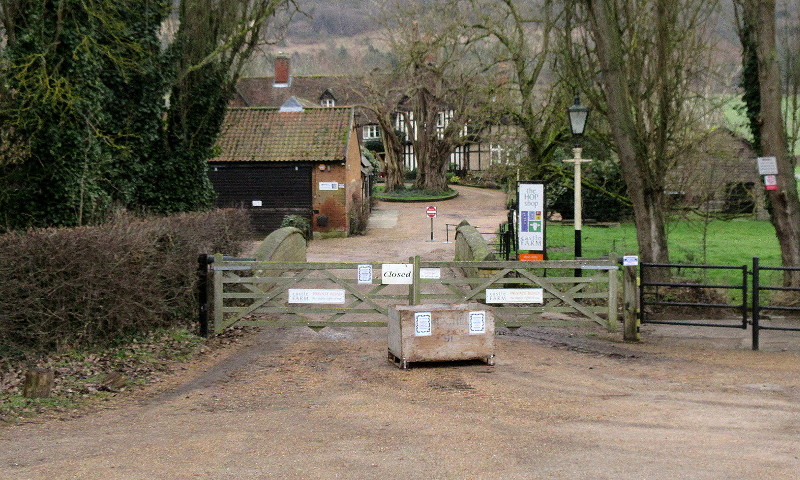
x=498, y=154
x=371, y=132
x=328, y=102
x=441, y=120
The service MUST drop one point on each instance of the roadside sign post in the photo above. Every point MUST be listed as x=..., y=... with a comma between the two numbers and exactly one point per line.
x=431, y=212
x=531, y=223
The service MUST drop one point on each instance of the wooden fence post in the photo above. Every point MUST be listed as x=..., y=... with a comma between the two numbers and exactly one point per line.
x=413, y=298
x=38, y=383
x=630, y=304
x=202, y=294
x=613, y=292
x=218, y=302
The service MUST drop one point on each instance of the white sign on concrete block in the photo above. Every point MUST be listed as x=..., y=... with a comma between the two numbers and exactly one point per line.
x=477, y=322
x=364, y=274
x=430, y=273
x=514, y=295
x=312, y=295
x=257, y=203
x=397, y=273
x=767, y=166
x=423, y=324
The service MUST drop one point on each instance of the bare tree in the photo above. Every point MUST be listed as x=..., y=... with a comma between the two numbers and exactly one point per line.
x=381, y=96
x=788, y=36
x=652, y=56
x=759, y=16
x=519, y=41
x=442, y=84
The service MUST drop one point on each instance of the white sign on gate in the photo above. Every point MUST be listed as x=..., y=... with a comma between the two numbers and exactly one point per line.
x=430, y=273
x=312, y=295
x=630, y=260
x=364, y=274
x=514, y=295
x=397, y=273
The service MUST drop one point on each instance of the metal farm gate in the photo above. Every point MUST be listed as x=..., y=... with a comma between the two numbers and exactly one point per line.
x=240, y=291
x=750, y=296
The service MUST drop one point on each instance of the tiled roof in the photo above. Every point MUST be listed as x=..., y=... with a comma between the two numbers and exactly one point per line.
x=260, y=92
x=267, y=135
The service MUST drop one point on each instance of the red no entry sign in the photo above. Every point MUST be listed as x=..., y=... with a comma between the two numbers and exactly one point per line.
x=431, y=211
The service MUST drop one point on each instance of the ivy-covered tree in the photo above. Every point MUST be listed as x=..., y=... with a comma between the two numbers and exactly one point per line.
x=54, y=111
x=85, y=121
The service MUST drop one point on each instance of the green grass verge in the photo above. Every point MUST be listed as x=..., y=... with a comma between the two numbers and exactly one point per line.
x=411, y=195
x=727, y=242
x=733, y=242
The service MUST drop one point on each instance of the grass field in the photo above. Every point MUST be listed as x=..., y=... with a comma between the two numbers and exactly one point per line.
x=733, y=242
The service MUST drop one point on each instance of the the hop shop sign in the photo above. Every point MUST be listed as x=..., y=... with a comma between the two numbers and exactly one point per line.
x=531, y=214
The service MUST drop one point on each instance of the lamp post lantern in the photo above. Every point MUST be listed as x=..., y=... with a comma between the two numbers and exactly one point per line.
x=578, y=114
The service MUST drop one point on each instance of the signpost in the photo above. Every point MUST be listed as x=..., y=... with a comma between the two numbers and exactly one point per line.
x=530, y=221
x=431, y=212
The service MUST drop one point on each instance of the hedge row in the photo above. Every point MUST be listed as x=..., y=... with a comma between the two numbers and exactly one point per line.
x=91, y=285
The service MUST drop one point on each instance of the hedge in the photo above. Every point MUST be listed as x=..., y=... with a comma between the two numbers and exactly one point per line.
x=68, y=287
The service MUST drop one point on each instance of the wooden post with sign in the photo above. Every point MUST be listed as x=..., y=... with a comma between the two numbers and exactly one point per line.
x=630, y=306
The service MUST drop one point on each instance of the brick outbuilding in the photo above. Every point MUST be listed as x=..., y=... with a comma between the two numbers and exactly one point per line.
x=291, y=160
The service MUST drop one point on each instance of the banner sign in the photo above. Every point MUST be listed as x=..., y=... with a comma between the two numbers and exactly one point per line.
x=531, y=214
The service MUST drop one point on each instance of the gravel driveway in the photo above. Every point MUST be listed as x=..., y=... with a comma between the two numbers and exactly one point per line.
x=291, y=403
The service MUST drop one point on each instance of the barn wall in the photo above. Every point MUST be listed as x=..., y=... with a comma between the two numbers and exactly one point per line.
x=282, y=188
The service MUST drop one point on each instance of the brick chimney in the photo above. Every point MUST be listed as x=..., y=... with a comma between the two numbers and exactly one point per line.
x=282, y=70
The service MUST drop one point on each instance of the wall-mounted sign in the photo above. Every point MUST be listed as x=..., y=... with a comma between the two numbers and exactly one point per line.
x=430, y=273
x=329, y=185
x=514, y=295
x=423, y=324
x=256, y=203
x=397, y=273
x=364, y=274
x=767, y=166
x=477, y=322
x=531, y=216
x=311, y=295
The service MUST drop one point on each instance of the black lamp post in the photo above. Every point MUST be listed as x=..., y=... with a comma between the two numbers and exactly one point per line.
x=578, y=114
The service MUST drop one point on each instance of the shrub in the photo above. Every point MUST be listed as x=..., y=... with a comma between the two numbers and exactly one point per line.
x=359, y=215
x=89, y=286
x=299, y=222
x=603, y=173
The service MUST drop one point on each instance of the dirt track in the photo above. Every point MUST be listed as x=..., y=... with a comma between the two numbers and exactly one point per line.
x=572, y=404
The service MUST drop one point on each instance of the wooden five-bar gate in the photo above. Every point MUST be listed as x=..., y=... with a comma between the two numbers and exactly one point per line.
x=242, y=291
